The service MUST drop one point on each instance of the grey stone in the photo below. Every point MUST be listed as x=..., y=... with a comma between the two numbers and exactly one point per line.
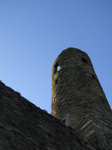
x=76, y=91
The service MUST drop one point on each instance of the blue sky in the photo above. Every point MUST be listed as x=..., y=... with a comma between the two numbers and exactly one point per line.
x=34, y=32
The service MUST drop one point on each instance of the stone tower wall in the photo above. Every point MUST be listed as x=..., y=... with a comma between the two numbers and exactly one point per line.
x=76, y=92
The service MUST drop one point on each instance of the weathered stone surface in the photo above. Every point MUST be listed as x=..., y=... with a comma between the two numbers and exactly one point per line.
x=23, y=126
x=77, y=93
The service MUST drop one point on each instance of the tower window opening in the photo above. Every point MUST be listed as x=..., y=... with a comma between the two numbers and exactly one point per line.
x=84, y=60
x=57, y=68
x=93, y=76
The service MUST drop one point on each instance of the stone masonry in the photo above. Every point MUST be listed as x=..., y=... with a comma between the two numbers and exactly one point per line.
x=78, y=98
x=23, y=126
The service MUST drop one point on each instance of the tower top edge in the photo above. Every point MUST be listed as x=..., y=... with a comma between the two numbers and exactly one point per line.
x=69, y=53
x=73, y=49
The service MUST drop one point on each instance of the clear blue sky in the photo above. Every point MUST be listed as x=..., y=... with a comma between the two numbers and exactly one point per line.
x=34, y=32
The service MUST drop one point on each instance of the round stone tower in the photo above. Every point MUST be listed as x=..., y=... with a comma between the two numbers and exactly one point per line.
x=76, y=92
